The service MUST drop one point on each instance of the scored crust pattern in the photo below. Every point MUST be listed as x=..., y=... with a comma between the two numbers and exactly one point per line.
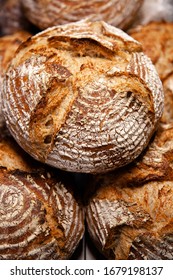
x=82, y=97
x=129, y=212
x=38, y=220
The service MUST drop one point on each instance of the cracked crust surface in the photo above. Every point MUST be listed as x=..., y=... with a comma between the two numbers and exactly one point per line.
x=160, y=50
x=41, y=217
x=82, y=97
x=129, y=215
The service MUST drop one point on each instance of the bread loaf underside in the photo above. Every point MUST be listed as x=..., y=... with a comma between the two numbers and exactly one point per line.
x=82, y=97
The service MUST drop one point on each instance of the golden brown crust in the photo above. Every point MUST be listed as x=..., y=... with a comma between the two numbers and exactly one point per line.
x=82, y=97
x=50, y=13
x=130, y=214
x=13, y=158
x=8, y=47
x=146, y=183
x=160, y=50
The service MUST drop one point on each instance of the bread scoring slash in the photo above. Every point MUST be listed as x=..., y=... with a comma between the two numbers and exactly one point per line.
x=82, y=97
x=160, y=56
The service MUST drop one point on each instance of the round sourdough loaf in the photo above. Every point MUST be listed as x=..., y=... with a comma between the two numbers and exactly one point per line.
x=160, y=50
x=82, y=97
x=129, y=214
x=40, y=218
x=8, y=47
x=49, y=13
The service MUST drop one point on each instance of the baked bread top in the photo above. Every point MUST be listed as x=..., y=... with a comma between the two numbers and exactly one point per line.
x=82, y=97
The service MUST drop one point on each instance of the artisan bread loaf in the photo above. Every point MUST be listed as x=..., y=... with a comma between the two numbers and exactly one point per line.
x=162, y=32
x=129, y=214
x=160, y=50
x=41, y=216
x=82, y=97
x=8, y=47
x=49, y=13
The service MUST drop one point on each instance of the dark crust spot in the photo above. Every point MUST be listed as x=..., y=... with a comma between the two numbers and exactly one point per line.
x=48, y=139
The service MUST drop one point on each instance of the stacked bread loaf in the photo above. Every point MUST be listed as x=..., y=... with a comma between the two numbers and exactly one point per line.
x=41, y=217
x=129, y=215
x=160, y=50
x=79, y=97
x=50, y=13
x=8, y=47
x=82, y=97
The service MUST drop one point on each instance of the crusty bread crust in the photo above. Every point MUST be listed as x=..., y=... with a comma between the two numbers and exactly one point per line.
x=41, y=215
x=45, y=14
x=129, y=215
x=8, y=47
x=82, y=97
x=160, y=50
x=42, y=220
